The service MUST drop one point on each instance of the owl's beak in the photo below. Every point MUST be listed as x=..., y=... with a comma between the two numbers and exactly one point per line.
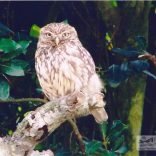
x=57, y=41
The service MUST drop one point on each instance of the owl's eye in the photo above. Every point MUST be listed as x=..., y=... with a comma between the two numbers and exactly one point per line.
x=65, y=35
x=48, y=34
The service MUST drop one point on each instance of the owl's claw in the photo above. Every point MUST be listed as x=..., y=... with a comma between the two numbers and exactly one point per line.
x=75, y=101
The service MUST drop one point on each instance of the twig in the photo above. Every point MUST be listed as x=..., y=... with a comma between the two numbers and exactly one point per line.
x=78, y=135
x=149, y=57
x=23, y=100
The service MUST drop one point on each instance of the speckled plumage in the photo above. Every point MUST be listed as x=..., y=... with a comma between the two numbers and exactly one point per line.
x=62, y=64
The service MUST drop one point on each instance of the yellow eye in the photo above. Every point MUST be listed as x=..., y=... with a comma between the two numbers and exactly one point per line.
x=65, y=34
x=48, y=34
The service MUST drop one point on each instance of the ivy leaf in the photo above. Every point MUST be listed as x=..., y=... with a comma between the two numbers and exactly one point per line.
x=12, y=69
x=39, y=147
x=149, y=74
x=139, y=65
x=93, y=146
x=126, y=52
x=114, y=3
x=116, y=130
x=24, y=45
x=122, y=150
x=8, y=45
x=116, y=123
x=117, y=144
x=4, y=30
x=35, y=31
x=22, y=48
x=4, y=89
x=108, y=153
x=63, y=153
x=116, y=74
x=9, y=56
x=20, y=63
x=141, y=43
x=125, y=70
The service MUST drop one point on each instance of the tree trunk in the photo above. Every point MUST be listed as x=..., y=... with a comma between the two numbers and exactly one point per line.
x=149, y=118
x=125, y=23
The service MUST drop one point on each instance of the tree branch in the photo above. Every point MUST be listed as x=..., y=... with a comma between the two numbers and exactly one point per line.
x=39, y=124
x=78, y=135
x=149, y=57
x=22, y=100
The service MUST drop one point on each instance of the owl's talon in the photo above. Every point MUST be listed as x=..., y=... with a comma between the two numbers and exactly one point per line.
x=75, y=101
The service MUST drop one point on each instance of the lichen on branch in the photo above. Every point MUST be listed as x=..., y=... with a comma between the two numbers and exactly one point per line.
x=39, y=124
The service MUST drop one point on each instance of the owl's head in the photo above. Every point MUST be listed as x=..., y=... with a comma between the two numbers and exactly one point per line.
x=55, y=34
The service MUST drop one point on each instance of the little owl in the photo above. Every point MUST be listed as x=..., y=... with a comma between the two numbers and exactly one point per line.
x=62, y=64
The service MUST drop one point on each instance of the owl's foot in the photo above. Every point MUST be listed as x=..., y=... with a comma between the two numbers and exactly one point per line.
x=75, y=101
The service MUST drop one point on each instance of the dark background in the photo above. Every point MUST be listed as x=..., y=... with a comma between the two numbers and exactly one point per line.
x=20, y=16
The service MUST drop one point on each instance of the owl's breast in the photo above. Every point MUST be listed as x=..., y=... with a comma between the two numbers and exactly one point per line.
x=60, y=74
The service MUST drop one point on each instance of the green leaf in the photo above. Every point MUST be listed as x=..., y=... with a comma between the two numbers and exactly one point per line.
x=63, y=153
x=116, y=130
x=149, y=74
x=35, y=31
x=4, y=30
x=4, y=89
x=8, y=45
x=12, y=69
x=114, y=3
x=116, y=123
x=118, y=143
x=39, y=147
x=126, y=52
x=20, y=63
x=116, y=74
x=93, y=146
x=9, y=56
x=122, y=150
x=108, y=153
x=24, y=45
x=138, y=66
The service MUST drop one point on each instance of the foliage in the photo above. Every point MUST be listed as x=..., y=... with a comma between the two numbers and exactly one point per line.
x=35, y=31
x=131, y=63
x=88, y=19
x=13, y=64
x=112, y=142
x=113, y=3
x=10, y=62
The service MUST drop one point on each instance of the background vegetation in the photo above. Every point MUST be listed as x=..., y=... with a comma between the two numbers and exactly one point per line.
x=116, y=33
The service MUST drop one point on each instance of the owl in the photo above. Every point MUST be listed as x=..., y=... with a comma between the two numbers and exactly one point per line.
x=62, y=64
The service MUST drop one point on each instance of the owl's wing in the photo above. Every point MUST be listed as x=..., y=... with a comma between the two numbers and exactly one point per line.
x=85, y=59
x=79, y=67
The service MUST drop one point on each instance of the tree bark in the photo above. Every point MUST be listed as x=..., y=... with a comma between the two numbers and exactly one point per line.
x=39, y=124
x=149, y=118
x=125, y=23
